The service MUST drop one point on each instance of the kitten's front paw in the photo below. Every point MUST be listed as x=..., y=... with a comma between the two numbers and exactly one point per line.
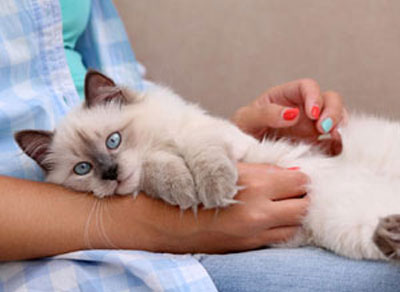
x=179, y=189
x=166, y=177
x=387, y=236
x=216, y=182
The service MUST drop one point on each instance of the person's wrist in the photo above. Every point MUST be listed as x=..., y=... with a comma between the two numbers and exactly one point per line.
x=149, y=224
x=126, y=226
x=146, y=223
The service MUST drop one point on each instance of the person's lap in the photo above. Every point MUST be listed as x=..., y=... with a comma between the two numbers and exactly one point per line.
x=300, y=269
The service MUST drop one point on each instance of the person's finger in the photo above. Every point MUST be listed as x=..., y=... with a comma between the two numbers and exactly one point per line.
x=275, y=182
x=288, y=212
x=287, y=184
x=332, y=113
x=248, y=171
x=332, y=145
x=345, y=118
x=277, y=235
x=302, y=92
x=313, y=101
x=274, y=114
x=277, y=116
x=263, y=115
x=257, y=177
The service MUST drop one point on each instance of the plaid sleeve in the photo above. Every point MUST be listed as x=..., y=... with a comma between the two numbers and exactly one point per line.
x=36, y=89
x=101, y=270
x=105, y=46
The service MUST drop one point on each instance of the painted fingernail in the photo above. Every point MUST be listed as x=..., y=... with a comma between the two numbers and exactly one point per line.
x=327, y=125
x=315, y=111
x=294, y=168
x=290, y=114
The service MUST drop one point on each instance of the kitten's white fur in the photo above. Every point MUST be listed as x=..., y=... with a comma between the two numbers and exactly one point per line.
x=349, y=193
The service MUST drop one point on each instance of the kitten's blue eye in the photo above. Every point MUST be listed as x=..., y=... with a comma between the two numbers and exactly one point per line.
x=113, y=140
x=82, y=168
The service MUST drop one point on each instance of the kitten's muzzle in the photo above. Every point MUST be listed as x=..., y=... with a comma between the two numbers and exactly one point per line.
x=110, y=173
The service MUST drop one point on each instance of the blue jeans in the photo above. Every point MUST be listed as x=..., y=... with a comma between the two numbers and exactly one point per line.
x=301, y=269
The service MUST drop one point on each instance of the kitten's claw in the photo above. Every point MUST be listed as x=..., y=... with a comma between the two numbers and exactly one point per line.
x=194, y=210
x=387, y=236
x=216, y=185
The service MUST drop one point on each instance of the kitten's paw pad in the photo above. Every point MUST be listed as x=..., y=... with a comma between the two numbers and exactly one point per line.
x=387, y=236
x=217, y=186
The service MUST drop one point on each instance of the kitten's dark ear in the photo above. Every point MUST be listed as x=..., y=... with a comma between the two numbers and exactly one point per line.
x=100, y=89
x=36, y=145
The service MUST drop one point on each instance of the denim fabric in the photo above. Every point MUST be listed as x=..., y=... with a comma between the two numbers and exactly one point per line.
x=300, y=270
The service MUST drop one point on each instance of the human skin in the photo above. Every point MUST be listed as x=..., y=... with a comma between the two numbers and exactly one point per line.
x=39, y=219
x=264, y=115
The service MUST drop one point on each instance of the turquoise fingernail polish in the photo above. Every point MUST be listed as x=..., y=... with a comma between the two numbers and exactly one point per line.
x=327, y=125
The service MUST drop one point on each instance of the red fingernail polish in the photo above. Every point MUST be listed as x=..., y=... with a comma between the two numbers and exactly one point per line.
x=294, y=168
x=290, y=114
x=315, y=111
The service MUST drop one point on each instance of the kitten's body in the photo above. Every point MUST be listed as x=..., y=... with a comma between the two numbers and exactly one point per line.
x=174, y=150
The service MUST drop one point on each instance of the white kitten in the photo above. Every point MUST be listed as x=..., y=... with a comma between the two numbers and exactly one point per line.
x=121, y=142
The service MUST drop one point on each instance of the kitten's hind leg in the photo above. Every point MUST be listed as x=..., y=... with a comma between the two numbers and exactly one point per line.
x=387, y=236
x=166, y=176
x=377, y=149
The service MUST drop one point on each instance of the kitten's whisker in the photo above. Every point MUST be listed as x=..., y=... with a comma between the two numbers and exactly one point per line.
x=98, y=231
x=216, y=212
x=86, y=235
x=82, y=197
x=103, y=230
x=195, y=211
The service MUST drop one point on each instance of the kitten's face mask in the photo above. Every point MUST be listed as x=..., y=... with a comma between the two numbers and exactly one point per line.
x=93, y=147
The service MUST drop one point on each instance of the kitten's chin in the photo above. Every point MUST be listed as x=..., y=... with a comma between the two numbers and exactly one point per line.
x=105, y=190
x=102, y=196
x=129, y=185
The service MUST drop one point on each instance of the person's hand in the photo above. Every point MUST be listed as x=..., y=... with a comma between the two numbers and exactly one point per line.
x=296, y=110
x=272, y=206
x=270, y=211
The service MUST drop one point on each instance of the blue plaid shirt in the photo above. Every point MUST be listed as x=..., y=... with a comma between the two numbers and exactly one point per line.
x=36, y=90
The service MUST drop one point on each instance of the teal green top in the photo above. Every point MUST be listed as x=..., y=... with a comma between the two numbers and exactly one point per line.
x=75, y=16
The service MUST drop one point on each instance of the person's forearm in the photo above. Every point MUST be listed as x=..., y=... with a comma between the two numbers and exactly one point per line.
x=150, y=224
x=38, y=219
